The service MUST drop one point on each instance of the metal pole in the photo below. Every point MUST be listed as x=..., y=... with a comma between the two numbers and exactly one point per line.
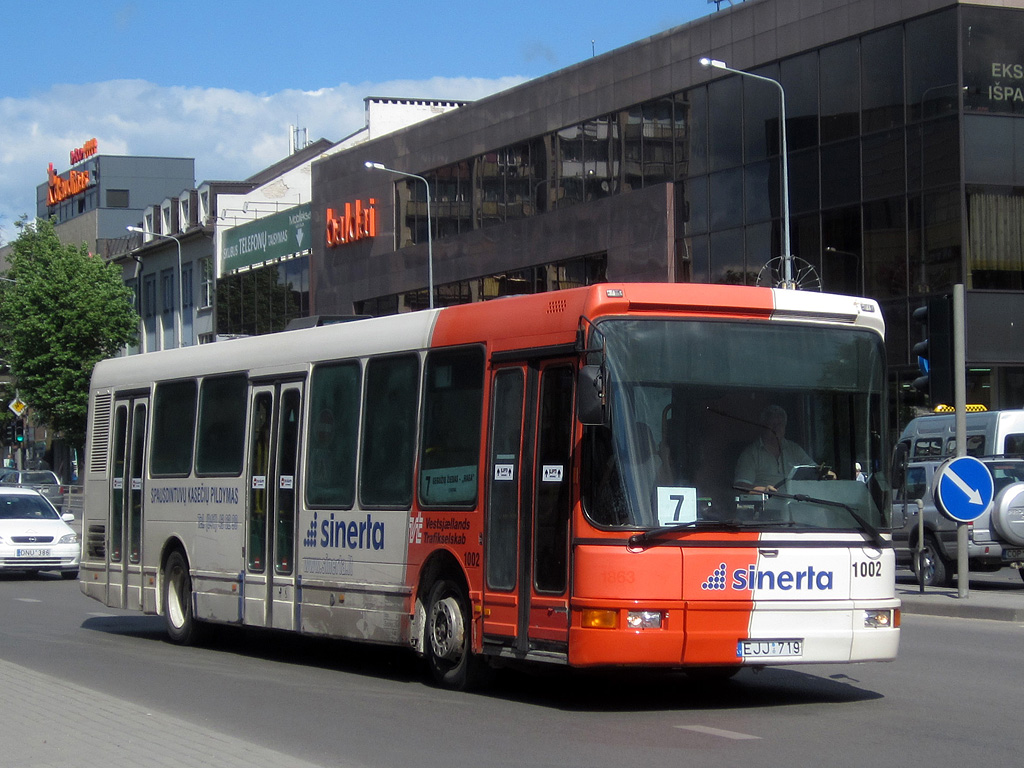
x=960, y=403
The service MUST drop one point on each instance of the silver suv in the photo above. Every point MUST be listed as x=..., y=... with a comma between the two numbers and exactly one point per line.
x=995, y=540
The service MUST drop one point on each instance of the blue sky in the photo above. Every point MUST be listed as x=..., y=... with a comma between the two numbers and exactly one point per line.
x=221, y=81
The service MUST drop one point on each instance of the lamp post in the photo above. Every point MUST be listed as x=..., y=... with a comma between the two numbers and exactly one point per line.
x=181, y=292
x=430, y=240
x=787, y=256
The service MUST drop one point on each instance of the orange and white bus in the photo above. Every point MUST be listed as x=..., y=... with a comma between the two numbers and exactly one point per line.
x=548, y=478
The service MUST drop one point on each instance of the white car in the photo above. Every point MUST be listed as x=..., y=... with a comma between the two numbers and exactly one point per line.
x=34, y=536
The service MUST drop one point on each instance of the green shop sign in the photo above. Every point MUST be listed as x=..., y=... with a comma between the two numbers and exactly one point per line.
x=269, y=238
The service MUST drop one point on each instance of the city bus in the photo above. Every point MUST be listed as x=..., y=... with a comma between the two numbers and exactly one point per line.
x=546, y=478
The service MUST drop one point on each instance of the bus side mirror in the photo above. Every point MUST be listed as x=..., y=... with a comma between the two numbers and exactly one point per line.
x=900, y=456
x=590, y=396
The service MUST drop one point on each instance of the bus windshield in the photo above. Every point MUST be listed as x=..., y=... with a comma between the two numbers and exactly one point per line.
x=733, y=423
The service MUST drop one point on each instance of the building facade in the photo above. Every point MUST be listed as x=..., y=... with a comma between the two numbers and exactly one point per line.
x=905, y=156
x=99, y=195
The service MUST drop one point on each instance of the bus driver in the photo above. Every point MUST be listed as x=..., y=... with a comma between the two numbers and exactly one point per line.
x=765, y=463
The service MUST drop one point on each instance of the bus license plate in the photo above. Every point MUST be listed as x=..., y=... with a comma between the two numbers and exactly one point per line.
x=770, y=649
x=33, y=553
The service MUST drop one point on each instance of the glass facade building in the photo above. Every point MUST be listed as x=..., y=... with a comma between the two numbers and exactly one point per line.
x=906, y=174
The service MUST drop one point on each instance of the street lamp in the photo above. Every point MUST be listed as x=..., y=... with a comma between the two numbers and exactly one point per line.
x=430, y=240
x=787, y=256
x=181, y=292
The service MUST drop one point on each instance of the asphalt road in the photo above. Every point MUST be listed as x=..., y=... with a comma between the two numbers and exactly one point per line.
x=950, y=698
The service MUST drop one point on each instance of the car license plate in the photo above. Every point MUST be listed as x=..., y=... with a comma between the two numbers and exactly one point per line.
x=770, y=649
x=1013, y=554
x=33, y=553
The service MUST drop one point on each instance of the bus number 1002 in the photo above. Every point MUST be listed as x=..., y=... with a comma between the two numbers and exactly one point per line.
x=867, y=569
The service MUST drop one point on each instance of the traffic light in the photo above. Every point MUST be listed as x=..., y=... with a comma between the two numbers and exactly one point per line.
x=935, y=352
x=9, y=433
x=19, y=431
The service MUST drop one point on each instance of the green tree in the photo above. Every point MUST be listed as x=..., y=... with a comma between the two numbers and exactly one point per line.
x=61, y=311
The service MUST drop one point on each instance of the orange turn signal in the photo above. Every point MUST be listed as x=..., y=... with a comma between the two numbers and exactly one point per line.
x=595, y=618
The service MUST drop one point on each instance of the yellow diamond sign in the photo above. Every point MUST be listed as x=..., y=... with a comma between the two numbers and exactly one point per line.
x=18, y=406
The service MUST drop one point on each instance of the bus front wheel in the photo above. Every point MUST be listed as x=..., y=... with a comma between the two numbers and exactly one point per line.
x=448, y=646
x=181, y=624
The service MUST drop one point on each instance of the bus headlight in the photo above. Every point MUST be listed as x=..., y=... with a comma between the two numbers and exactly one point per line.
x=878, y=619
x=644, y=619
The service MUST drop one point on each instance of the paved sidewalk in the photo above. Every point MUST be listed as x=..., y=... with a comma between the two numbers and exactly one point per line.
x=48, y=723
x=998, y=598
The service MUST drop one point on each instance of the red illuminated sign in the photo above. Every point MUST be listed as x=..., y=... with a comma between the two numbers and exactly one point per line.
x=78, y=154
x=61, y=189
x=355, y=223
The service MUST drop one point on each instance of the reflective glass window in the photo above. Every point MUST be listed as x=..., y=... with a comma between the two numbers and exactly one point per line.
x=761, y=113
x=692, y=205
x=725, y=140
x=697, y=114
x=885, y=247
x=932, y=87
x=803, y=181
x=840, y=173
x=839, y=67
x=726, y=189
x=882, y=79
x=884, y=164
x=841, y=245
x=760, y=191
x=727, y=264
x=799, y=77
x=993, y=68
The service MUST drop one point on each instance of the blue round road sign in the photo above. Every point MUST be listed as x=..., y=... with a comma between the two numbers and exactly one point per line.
x=963, y=489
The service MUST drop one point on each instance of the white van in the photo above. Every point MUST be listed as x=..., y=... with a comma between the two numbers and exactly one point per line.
x=991, y=433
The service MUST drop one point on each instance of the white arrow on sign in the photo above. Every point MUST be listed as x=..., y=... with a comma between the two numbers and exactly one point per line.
x=973, y=494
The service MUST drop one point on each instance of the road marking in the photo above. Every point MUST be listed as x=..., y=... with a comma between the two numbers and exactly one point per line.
x=736, y=735
x=27, y=600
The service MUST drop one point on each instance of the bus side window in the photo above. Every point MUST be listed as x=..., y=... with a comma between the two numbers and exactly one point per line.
x=333, y=433
x=174, y=421
x=452, y=407
x=389, y=431
x=222, y=407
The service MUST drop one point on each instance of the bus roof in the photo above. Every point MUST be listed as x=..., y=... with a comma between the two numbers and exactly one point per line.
x=516, y=322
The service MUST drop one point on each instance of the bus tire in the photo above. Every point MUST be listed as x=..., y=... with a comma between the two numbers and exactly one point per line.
x=182, y=628
x=448, y=643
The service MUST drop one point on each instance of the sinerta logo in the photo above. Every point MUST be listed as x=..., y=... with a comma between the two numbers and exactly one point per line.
x=752, y=577
x=332, y=533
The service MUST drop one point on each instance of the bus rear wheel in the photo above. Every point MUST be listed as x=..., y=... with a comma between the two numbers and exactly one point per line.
x=448, y=646
x=181, y=624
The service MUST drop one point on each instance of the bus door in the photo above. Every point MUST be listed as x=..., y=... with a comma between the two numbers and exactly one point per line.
x=274, y=438
x=526, y=602
x=124, y=538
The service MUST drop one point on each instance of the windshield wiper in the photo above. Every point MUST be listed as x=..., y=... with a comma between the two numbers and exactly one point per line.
x=872, y=532
x=639, y=539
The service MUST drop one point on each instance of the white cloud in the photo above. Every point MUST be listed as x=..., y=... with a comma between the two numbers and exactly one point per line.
x=231, y=134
